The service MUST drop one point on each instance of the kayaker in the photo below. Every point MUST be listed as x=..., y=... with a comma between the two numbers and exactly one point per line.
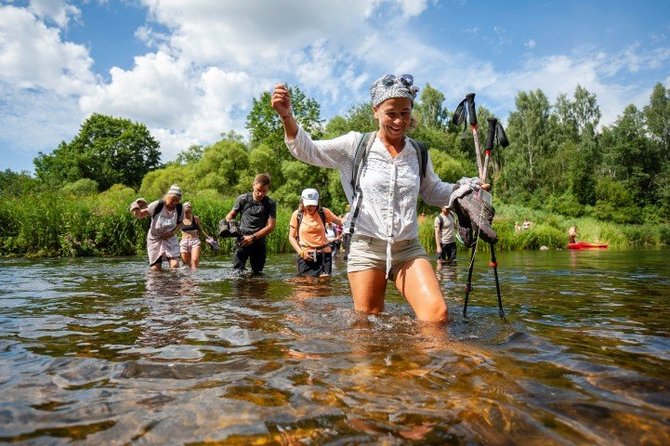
x=572, y=234
x=385, y=244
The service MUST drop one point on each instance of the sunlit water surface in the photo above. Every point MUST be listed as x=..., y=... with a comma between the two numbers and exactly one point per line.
x=101, y=351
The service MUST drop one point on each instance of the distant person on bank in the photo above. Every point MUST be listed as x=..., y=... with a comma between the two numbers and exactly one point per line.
x=572, y=234
x=307, y=235
x=166, y=219
x=258, y=217
x=445, y=240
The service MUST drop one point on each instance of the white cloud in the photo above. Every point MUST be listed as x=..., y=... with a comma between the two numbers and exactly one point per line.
x=157, y=90
x=58, y=11
x=32, y=55
x=39, y=119
x=561, y=74
x=207, y=60
x=412, y=8
x=246, y=34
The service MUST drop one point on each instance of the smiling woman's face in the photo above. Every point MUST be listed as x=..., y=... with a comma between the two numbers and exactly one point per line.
x=394, y=116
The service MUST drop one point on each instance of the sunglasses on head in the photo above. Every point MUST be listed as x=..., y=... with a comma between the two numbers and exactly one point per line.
x=390, y=79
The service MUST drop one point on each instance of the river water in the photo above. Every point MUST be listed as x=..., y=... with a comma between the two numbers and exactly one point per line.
x=102, y=351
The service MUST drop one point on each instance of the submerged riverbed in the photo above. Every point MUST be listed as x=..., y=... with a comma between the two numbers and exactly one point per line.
x=102, y=351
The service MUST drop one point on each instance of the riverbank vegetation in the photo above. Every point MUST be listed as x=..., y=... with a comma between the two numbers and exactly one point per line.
x=99, y=224
x=560, y=169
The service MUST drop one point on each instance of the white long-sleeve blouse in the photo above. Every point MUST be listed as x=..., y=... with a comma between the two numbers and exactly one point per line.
x=390, y=186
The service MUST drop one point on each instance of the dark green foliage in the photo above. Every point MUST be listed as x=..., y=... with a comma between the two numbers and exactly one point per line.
x=14, y=184
x=107, y=150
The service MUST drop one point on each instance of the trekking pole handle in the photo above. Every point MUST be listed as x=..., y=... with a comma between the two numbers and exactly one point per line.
x=472, y=113
x=488, y=145
x=491, y=135
x=472, y=117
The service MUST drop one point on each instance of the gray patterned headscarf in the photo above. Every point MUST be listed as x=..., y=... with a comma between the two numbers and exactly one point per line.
x=392, y=86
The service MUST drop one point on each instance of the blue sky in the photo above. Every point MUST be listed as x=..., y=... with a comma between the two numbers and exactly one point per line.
x=189, y=69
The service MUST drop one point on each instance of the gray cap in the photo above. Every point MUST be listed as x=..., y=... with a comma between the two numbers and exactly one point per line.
x=392, y=86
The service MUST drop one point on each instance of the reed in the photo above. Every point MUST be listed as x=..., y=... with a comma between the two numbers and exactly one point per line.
x=72, y=225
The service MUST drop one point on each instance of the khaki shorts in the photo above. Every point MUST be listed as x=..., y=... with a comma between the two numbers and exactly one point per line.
x=370, y=252
x=187, y=244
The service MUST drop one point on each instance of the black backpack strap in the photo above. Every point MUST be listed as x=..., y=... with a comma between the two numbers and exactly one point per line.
x=422, y=154
x=359, y=156
x=299, y=217
x=322, y=214
x=161, y=204
x=159, y=208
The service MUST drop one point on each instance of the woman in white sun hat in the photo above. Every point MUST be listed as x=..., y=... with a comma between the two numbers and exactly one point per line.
x=307, y=235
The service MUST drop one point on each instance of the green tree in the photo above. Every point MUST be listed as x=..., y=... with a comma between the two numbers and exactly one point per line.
x=529, y=135
x=430, y=109
x=222, y=167
x=265, y=126
x=657, y=114
x=157, y=182
x=299, y=176
x=630, y=157
x=107, y=150
x=359, y=118
x=585, y=112
x=190, y=155
x=17, y=183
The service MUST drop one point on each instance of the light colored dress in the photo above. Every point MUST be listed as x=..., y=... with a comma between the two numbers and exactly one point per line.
x=162, y=223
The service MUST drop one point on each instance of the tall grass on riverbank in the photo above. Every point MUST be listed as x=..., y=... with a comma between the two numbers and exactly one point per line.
x=100, y=225
x=67, y=225
x=550, y=230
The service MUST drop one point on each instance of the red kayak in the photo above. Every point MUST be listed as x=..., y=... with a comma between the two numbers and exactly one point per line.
x=586, y=245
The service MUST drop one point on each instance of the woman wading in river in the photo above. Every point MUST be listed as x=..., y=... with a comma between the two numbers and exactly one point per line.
x=383, y=197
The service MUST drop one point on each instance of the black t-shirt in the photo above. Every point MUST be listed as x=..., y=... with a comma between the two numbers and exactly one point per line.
x=254, y=214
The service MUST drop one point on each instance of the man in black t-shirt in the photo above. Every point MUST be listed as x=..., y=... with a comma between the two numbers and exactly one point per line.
x=258, y=216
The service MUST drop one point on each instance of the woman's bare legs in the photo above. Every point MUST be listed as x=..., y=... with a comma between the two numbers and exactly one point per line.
x=417, y=282
x=368, y=288
x=195, y=257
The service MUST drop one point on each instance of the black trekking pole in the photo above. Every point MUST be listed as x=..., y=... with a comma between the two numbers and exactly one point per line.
x=468, y=286
x=494, y=265
x=495, y=134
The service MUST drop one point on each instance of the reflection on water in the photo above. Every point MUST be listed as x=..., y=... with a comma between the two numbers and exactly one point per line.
x=105, y=352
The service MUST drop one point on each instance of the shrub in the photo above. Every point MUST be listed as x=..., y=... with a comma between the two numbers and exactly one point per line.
x=82, y=187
